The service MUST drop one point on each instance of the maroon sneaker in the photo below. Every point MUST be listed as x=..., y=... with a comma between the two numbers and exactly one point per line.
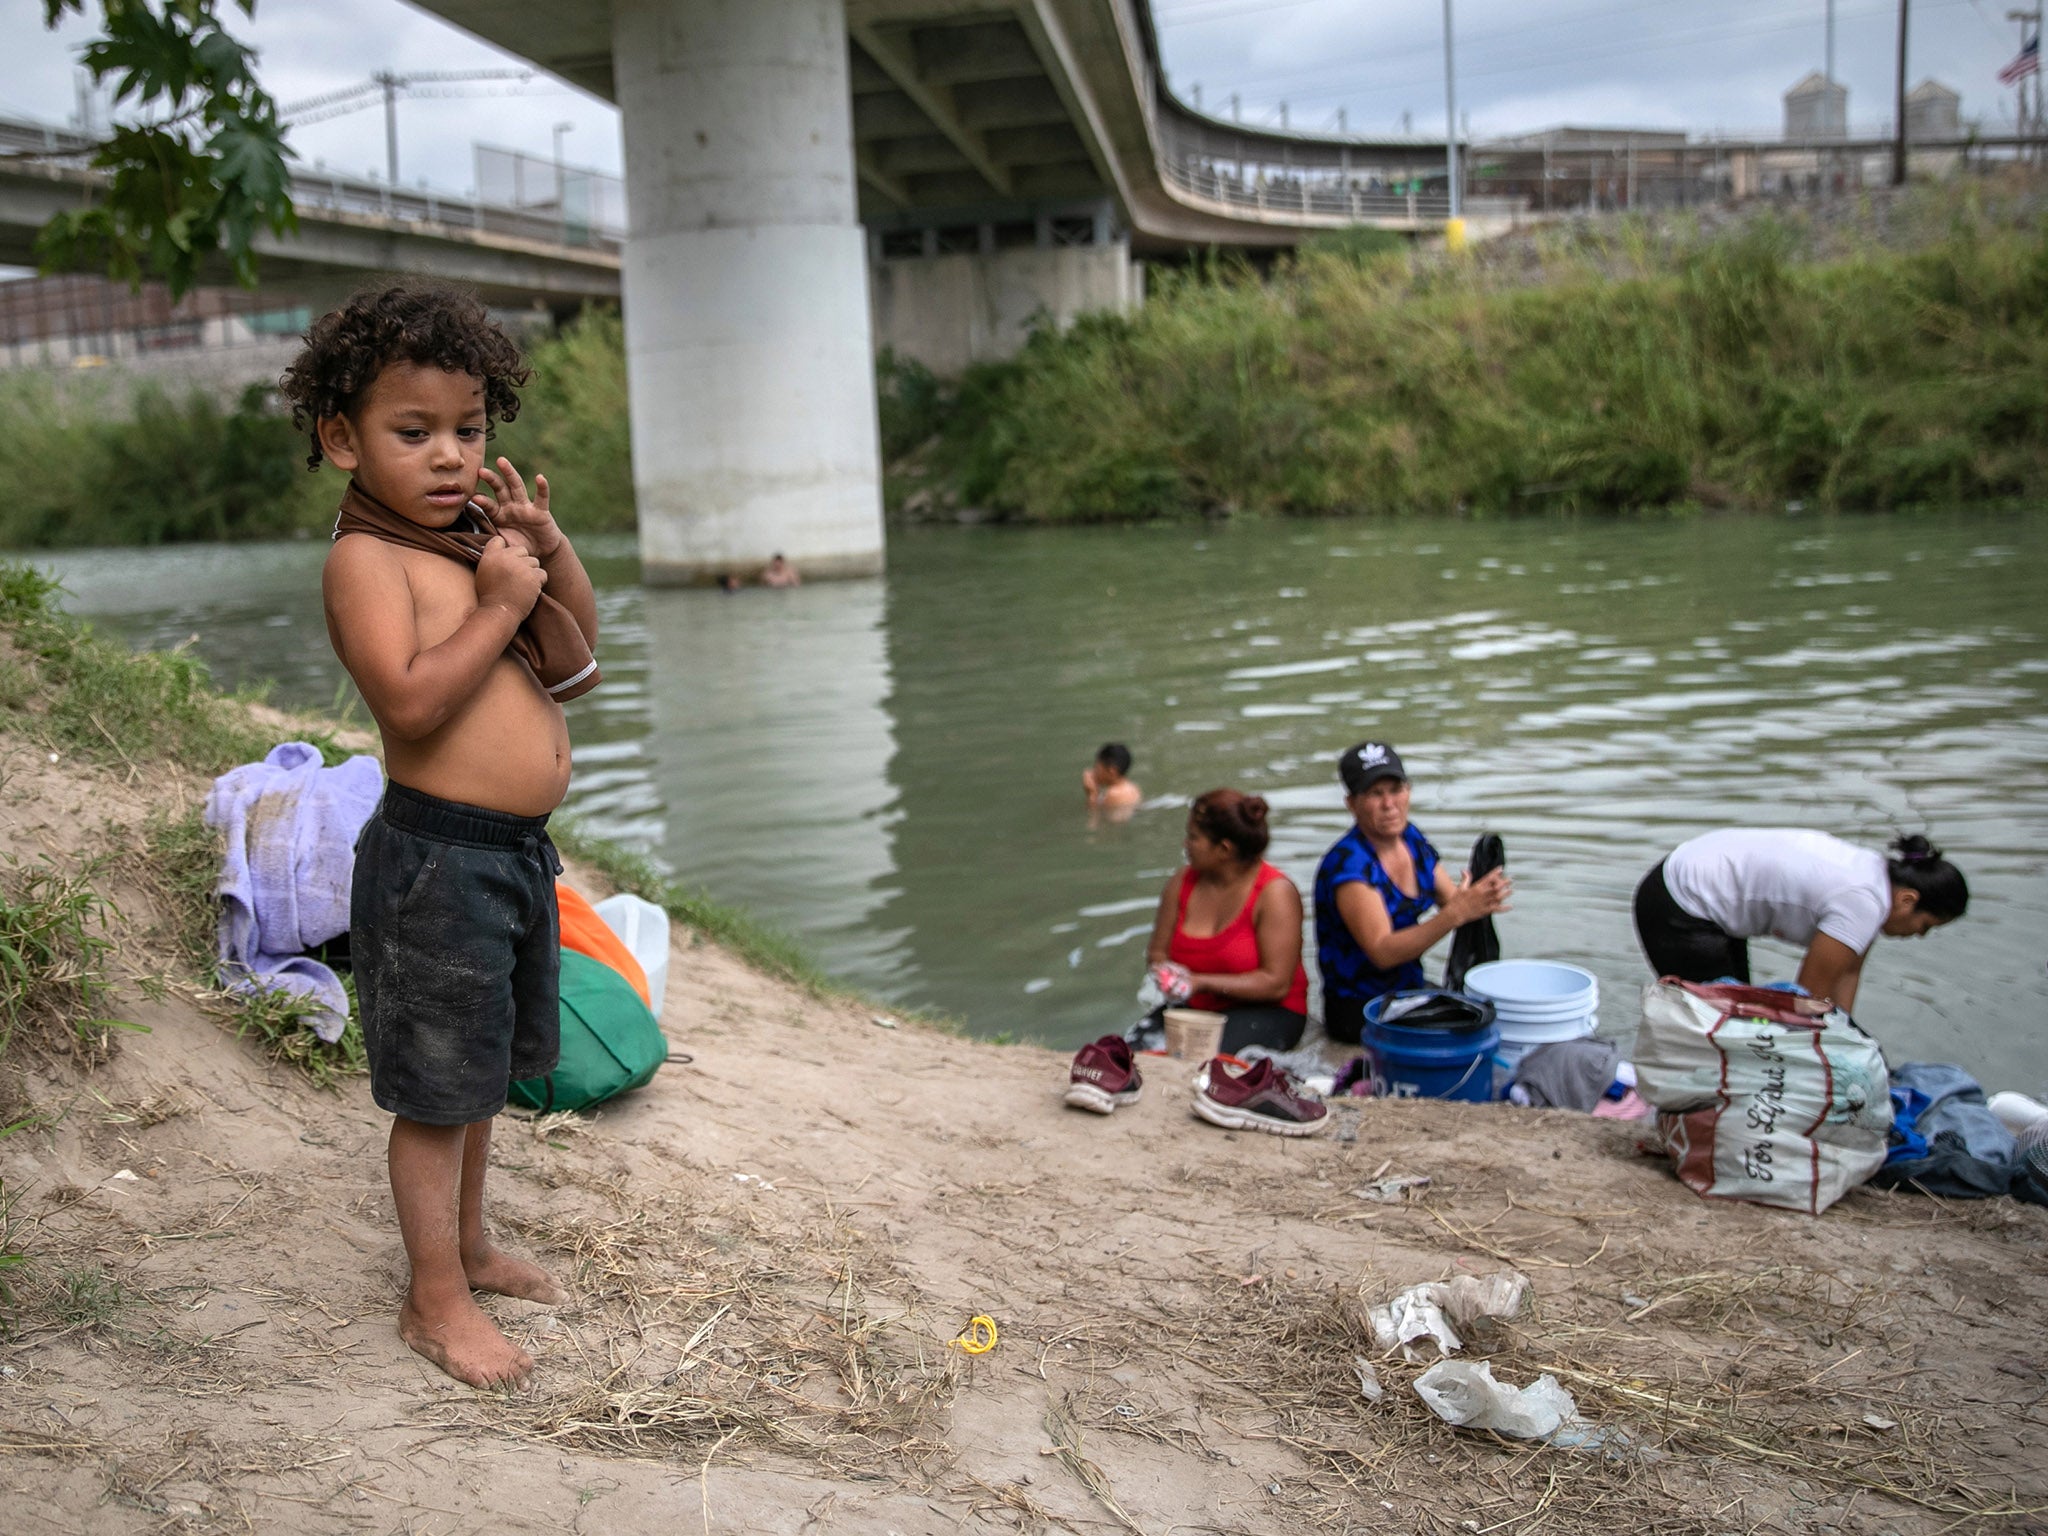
x=1257, y=1098
x=1104, y=1076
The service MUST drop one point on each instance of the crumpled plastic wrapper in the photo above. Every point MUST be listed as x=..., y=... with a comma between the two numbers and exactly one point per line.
x=1437, y=1309
x=1369, y=1386
x=1464, y=1393
x=1166, y=985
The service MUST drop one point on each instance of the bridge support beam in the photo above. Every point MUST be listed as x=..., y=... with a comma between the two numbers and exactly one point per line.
x=748, y=355
x=953, y=311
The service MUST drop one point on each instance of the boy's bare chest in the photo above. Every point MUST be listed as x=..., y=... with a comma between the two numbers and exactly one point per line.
x=443, y=594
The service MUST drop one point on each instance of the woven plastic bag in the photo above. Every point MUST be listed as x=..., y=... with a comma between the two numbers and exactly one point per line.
x=1762, y=1095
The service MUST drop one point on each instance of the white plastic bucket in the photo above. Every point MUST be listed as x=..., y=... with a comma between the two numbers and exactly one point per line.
x=643, y=928
x=1536, y=1002
x=1540, y=984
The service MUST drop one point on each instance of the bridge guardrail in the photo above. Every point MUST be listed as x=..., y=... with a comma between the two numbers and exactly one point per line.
x=347, y=194
x=1335, y=201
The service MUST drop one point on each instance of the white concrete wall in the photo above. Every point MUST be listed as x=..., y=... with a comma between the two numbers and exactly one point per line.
x=746, y=310
x=951, y=311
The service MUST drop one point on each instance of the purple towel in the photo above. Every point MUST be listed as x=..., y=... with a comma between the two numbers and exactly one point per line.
x=291, y=829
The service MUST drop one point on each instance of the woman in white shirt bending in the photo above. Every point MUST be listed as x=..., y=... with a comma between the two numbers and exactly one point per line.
x=1698, y=909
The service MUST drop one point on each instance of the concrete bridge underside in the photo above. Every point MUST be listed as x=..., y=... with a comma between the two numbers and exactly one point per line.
x=773, y=147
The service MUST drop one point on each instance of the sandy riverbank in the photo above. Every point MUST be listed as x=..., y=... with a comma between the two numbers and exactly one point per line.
x=769, y=1248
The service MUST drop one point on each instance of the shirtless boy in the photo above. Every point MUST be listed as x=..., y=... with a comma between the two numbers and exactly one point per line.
x=454, y=933
x=1107, y=784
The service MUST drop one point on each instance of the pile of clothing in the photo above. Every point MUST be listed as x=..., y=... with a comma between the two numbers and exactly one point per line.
x=1947, y=1140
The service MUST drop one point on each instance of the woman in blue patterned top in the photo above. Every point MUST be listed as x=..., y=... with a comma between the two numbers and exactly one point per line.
x=1374, y=891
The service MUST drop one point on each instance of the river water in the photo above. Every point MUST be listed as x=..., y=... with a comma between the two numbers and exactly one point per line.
x=889, y=769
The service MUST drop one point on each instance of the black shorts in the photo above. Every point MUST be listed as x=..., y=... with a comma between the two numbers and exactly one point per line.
x=1679, y=944
x=457, y=950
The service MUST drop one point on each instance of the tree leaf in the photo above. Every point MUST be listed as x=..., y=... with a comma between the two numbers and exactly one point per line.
x=169, y=204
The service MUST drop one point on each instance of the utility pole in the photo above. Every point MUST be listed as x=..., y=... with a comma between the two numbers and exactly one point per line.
x=561, y=175
x=1898, y=102
x=1828, y=54
x=390, y=82
x=1451, y=133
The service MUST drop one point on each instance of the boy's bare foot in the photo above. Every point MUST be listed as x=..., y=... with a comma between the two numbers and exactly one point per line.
x=464, y=1343
x=494, y=1270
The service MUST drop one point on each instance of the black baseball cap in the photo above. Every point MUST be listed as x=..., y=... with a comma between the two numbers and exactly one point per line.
x=1366, y=764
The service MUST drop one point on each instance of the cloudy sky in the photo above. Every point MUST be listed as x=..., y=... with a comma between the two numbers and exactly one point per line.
x=1523, y=64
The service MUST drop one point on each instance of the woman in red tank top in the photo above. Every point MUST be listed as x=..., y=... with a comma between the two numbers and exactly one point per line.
x=1235, y=922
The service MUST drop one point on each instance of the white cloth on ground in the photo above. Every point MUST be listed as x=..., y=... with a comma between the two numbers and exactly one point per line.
x=291, y=828
x=1782, y=882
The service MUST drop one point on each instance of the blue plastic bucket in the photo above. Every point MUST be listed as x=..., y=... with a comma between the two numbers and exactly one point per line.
x=1432, y=1061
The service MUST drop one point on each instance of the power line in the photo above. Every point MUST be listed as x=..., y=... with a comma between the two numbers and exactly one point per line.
x=390, y=86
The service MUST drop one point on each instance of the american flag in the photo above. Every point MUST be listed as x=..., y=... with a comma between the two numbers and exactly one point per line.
x=2026, y=62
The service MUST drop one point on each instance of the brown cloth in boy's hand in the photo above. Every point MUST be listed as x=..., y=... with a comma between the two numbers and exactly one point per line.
x=548, y=639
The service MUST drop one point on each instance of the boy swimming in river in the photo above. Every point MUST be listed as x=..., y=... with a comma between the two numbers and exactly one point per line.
x=1107, y=783
x=464, y=616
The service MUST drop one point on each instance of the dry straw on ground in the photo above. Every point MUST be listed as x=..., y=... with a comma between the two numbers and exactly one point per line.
x=699, y=1324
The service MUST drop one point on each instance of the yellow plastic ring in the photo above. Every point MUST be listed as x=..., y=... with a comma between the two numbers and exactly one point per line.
x=979, y=1337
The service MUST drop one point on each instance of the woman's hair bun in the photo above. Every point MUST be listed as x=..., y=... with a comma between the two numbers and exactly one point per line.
x=1912, y=848
x=1233, y=817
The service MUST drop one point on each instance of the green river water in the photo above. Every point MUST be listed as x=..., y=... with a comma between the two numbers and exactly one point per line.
x=889, y=769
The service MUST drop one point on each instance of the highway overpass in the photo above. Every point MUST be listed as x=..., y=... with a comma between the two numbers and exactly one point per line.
x=347, y=227
x=1020, y=150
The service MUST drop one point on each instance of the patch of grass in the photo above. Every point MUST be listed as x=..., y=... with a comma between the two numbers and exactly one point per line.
x=573, y=423
x=53, y=950
x=95, y=698
x=1623, y=372
x=177, y=861
x=87, y=1297
x=282, y=1025
x=99, y=462
x=179, y=865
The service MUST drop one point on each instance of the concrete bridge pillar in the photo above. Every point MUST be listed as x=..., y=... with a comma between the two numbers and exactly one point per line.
x=746, y=307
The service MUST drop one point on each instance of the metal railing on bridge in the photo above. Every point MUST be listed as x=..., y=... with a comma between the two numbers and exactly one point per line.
x=583, y=213
x=546, y=226
x=1337, y=200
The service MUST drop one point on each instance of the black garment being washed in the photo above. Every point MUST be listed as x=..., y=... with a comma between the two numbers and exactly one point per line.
x=1476, y=943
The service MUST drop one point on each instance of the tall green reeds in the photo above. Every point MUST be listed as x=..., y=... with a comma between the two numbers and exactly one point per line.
x=573, y=426
x=1725, y=371
x=1869, y=362
x=89, y=461
x=86, y=462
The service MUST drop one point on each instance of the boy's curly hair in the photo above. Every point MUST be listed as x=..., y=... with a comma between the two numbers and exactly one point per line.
x=436, y=325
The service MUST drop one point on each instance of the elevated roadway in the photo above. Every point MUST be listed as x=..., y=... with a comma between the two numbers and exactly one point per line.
x=349, y=227
x=774, y=148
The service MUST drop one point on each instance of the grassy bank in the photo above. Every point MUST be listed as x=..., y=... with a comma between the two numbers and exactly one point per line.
x=79, y=695
x=1625, y=368
x=115, y=462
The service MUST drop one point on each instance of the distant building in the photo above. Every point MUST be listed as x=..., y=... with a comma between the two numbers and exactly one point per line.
x=1817, y=108
x=1932, y=112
